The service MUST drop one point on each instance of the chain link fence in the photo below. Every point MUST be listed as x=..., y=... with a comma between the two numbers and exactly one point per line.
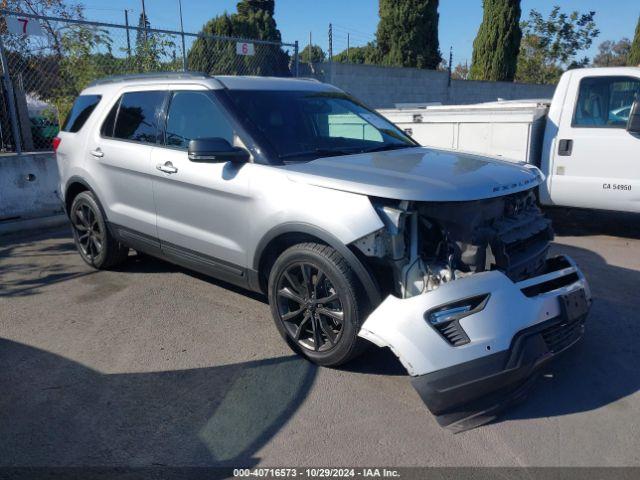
x=45, y=66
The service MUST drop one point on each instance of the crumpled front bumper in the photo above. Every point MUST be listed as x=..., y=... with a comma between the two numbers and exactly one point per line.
x=519, y=328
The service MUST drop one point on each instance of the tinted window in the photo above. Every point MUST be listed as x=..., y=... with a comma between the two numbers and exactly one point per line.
x=82, y=108
x=605, y=101
x=195, y=115
x=110, y=121
x=139, y=116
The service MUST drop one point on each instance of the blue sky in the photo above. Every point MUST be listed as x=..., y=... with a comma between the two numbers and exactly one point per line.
x=459, y=19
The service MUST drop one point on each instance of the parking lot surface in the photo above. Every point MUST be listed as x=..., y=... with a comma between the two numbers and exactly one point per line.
x=153, y=365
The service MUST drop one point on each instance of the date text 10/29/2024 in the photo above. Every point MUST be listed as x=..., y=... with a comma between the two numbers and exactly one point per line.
x=316, y=472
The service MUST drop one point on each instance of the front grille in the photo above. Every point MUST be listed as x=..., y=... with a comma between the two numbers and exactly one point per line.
x=559, y=336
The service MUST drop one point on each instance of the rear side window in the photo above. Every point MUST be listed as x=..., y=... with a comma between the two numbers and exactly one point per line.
x=82, y=108
x=138, y=117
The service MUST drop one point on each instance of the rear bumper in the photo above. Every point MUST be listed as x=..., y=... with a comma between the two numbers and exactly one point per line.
x=519, y=328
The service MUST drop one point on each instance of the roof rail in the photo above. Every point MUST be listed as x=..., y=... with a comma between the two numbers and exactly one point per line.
x=148, y=76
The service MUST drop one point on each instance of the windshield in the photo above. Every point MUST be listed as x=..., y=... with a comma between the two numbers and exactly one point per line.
x=303, y=125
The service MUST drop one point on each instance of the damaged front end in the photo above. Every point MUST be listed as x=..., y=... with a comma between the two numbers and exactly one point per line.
x=474, y=307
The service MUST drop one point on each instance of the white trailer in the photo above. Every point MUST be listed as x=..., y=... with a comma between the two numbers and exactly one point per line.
x=586, y=140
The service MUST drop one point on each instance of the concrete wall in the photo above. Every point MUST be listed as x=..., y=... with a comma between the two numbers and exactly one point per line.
x=28, y=186
x=382, y=87
x=472, y=91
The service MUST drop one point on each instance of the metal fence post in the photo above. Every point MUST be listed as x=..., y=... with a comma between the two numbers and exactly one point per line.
x=184, y=53
x=11, y=100
x=296, y=63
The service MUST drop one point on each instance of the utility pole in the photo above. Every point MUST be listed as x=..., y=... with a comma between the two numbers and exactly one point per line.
x=184, y=53
x=126, y=22
x=144, y=17
x=450, y=62
x=330, y=43
x=348, y=48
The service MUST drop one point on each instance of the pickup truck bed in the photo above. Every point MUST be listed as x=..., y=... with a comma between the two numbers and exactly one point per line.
x=511, y=130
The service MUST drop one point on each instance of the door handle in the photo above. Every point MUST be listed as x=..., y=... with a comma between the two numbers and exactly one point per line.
x=97, y=152
x=167, y=167
x=565, y=147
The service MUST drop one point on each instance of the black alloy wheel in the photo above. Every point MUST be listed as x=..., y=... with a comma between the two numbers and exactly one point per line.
x=94, y=241
x=89, y=234
x=310, y=307
x=317, y=303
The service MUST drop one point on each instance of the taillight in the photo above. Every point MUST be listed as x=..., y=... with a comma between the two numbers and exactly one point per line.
x=56, y=143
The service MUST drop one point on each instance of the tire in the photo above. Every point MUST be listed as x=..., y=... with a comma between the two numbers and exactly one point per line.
x=94, y=241
x=317, y=304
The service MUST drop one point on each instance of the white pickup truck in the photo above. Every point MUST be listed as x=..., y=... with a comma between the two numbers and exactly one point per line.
x=586, y=140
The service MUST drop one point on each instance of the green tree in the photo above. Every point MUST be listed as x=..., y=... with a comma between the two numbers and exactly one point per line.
x=253, y=20
x=612, y=54
x=312, y=54
x=153, y=49
x=143, y=32
x=407, y=34
x=550, y=45
x=365, y=54
x=495, y=49
x=634, y=52
x=79, y=65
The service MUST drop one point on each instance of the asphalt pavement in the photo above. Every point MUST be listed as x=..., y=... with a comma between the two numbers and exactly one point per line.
x=152, y=365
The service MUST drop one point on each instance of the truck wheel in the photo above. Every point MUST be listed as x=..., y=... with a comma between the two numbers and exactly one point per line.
x=316, y=303
x=94, y=242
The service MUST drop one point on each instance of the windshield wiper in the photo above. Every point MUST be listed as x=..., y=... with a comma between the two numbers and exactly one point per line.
x=382, y=148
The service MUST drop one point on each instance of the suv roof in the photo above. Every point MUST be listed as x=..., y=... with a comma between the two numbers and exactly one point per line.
x=219, y=81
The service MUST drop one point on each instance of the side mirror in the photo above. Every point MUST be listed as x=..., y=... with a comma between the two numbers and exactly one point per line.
x=215, y=150
x=633, y=124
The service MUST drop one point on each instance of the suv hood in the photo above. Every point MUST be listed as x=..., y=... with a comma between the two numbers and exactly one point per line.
x=418, y=174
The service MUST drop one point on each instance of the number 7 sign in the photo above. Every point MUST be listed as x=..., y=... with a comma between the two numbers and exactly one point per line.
x=24, y=26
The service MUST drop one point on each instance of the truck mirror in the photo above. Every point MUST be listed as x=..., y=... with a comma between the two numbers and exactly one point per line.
x=633, y=124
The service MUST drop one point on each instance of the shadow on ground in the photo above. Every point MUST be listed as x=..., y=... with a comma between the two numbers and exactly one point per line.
x=54, y=411
x=57, y=409
x=604, y=367
x=578, y=222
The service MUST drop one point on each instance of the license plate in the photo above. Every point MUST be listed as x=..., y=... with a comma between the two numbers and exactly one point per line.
x=574, y=304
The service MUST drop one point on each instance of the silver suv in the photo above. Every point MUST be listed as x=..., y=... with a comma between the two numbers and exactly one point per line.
x=356, y=233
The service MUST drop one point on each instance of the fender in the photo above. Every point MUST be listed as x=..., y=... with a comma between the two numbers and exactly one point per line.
x=363, y=274
x=82, y=181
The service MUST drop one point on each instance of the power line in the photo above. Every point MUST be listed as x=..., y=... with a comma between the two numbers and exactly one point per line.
x=352, y=30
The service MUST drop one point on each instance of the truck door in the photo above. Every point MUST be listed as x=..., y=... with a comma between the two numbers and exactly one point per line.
x=596, y=162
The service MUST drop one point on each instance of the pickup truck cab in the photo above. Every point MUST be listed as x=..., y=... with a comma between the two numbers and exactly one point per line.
x=355, y=235
x=586, y=140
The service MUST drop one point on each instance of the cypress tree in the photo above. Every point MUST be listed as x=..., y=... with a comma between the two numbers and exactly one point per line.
x=634, y=54
x=407, y=34
x=495, y=49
